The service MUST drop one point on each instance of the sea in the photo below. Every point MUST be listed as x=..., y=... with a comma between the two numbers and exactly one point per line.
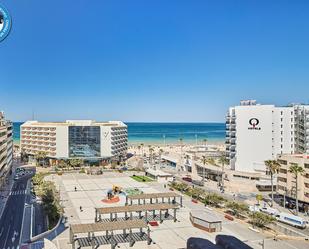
x=168, y=133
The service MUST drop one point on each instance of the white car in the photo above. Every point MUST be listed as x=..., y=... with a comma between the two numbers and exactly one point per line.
x=270, y=211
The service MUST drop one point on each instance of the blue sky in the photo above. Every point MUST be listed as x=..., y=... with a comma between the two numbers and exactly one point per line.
x=168, y=60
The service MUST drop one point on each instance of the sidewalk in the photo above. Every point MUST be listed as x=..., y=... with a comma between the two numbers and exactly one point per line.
x=4, y=194
x=6, y=189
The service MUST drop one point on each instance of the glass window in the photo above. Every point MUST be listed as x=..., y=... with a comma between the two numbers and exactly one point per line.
x=84, y=141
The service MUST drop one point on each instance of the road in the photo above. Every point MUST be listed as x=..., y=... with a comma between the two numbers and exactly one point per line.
x=12, y=217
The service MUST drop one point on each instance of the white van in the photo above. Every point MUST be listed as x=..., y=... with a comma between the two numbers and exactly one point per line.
x=292, y=220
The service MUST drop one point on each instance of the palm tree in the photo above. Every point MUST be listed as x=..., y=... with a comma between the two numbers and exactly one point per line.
x=40, y=156
x=75, y=162
x=204, y=161
x=62, y=164
x=205, y=141
x=187, y=157
x=272, y=166
x=139, y=149
x=142, y=146
x=160, y=155
x=181, y=145
x=223, y=161
x=296, y=170
x=151, y=150
x=259, y=198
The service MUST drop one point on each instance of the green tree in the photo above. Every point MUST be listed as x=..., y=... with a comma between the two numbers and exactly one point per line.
x=63, y=164
x=260, y=219
x=214, y=200
x=272, y=166
x=38, y=179
x=259, y=198
x=75, y=162
x=182, y=187
x=296, y=170
x=40, y=158
x=237, y=208
x=196, y=193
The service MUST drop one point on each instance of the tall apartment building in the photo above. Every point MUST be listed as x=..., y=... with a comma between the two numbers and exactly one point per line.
x=6, y=148
x=255, y=133
x=84, y=139
x=286, y=180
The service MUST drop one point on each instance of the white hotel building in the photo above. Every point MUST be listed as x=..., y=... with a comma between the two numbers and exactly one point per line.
x=255, y=133
x=84, y=139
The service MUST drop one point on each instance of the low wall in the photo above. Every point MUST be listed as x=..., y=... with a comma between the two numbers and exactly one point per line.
x=285, y=230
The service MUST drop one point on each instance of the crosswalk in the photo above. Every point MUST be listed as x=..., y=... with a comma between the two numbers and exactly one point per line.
x=18, y=192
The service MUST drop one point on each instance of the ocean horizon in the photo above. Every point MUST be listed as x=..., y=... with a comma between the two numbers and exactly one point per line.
x=164, y=132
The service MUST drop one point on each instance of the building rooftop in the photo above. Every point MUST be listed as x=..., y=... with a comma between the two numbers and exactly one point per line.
x=107, y=226
x=73, y=123
x=207, y=216
x=153, y=195
x=136, y=208
x=158, y=172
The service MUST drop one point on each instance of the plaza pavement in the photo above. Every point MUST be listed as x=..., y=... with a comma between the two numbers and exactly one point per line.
x=168, y=235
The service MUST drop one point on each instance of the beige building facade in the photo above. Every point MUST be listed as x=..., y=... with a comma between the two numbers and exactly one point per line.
x=6, y=148
x=83, y=139
x=286, y=184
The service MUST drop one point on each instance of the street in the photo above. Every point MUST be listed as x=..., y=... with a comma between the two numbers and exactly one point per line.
x=11, y=220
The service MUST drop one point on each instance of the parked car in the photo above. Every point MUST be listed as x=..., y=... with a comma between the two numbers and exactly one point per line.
x=187, y=179
x=270, y=211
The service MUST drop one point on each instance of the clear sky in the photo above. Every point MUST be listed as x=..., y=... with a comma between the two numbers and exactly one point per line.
x=153, y=60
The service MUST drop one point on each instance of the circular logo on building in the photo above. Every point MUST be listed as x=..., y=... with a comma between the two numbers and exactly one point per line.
x=254, y=122
x=5, y=23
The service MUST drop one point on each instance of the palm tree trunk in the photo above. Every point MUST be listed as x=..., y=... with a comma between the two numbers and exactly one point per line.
x=222, y=180
x=272, y=188
x=296, y=194
x=204, y=173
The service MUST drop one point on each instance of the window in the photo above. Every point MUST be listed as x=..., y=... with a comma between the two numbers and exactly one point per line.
x=281, y=179
x=283, y=162
x=84, y=141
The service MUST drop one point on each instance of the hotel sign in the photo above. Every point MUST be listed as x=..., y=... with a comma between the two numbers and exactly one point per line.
x=254, y=124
